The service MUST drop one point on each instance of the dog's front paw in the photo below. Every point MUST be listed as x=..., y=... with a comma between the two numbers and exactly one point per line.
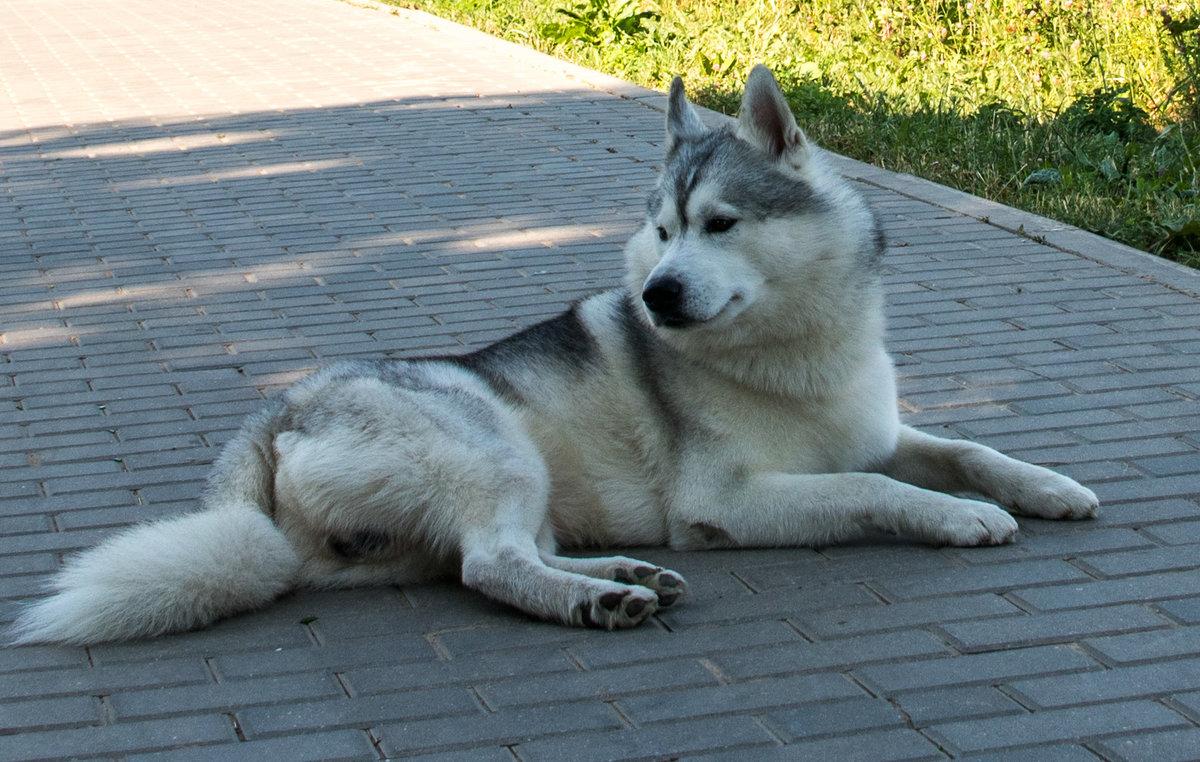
x=972, y=523
x=617, y=609
x=1049, y=495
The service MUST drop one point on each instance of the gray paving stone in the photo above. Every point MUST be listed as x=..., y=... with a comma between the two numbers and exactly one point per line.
x=975, y=669
x=836, y=718
x=46, y=714
x=119, y=739
x=506, y=728
x=871, y=746
x=1149, y=587
x=647, y=644
x=751, y=696
x=1142, y=647
x=996, y=578
x=1157, y=679
x=655, y=742
x=1175, y=557
x=601, y=684
x=813, y=657
x=1055, y=627
x=1186, y=610
x=1055, y=726
x=327, y=746
x=1054, y=752
x=1165, y=746
x=931, y=707
x=356, y=711
x=838, y=622
x=226, y=696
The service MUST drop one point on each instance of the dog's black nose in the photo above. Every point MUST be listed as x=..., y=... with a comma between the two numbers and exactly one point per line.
x=664, y=297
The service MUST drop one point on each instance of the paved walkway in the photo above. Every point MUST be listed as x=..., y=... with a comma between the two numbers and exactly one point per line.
x=203, y=201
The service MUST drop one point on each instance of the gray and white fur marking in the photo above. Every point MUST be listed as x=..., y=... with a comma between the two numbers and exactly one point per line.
x=736, y=393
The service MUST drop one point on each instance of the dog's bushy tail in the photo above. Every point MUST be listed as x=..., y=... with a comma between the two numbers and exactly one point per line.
x=180, y=573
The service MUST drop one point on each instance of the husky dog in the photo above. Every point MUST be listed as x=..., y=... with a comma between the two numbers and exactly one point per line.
x=736, y=393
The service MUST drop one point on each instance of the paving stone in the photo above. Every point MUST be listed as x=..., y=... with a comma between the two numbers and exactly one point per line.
x=751, y=696
x=323, y=746
x=601, y=684
x=931, y=707
x=1056, y=726
x=872, y=746
x=837, y=622
x=1165, y=746
x=1140, y=647
x=821, y=656
x=836, y=718
x=121, y=739
x=1148, y=587
x=1186, y=610
x=997, y=578
x=230, y=695
x=975, y=669
x=1158, y=679
x=1055, y=627
x=45, y=714
x=356, y=711
x=507, y=727
x=655, y=742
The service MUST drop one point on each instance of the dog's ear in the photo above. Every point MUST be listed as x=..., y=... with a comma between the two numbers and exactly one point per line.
x=682, y=120
x=766, y=121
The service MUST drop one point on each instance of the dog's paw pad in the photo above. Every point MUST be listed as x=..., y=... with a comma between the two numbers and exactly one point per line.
x=610, y=601
x=617, y=610
x=668, y=585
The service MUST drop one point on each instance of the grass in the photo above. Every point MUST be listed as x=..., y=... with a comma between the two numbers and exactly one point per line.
x=1085, y=111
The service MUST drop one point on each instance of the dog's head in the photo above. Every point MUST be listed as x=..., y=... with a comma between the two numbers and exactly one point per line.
x=743, y=220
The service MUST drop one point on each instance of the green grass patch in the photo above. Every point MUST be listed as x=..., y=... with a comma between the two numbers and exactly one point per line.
x=1082, y=111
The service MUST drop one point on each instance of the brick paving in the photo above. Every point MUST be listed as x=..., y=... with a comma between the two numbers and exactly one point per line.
x=204, y=201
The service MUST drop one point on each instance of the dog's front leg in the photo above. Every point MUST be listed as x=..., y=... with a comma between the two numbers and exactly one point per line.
x=779, y=509
x=950, y=465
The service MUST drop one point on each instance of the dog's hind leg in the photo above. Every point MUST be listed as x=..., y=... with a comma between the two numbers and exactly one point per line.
x=668, y=585
x=503, y=563
x=950, y=465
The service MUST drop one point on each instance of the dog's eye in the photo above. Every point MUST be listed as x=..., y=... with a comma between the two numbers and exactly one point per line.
x=719, y=224
x=662, y=233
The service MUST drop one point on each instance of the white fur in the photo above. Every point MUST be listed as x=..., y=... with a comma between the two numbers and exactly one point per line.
x=155, y=578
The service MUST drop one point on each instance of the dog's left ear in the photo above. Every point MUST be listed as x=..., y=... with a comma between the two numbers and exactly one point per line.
x=682, y=120
x=766, y=121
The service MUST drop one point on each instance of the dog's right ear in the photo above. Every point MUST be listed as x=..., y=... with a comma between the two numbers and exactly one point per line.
x=766, y=121
x=683, y=122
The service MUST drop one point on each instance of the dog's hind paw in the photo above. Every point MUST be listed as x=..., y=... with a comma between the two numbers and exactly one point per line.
x=616, y=609
x=667, y=585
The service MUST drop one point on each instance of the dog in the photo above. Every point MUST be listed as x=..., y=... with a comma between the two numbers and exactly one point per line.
x=735, y=393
